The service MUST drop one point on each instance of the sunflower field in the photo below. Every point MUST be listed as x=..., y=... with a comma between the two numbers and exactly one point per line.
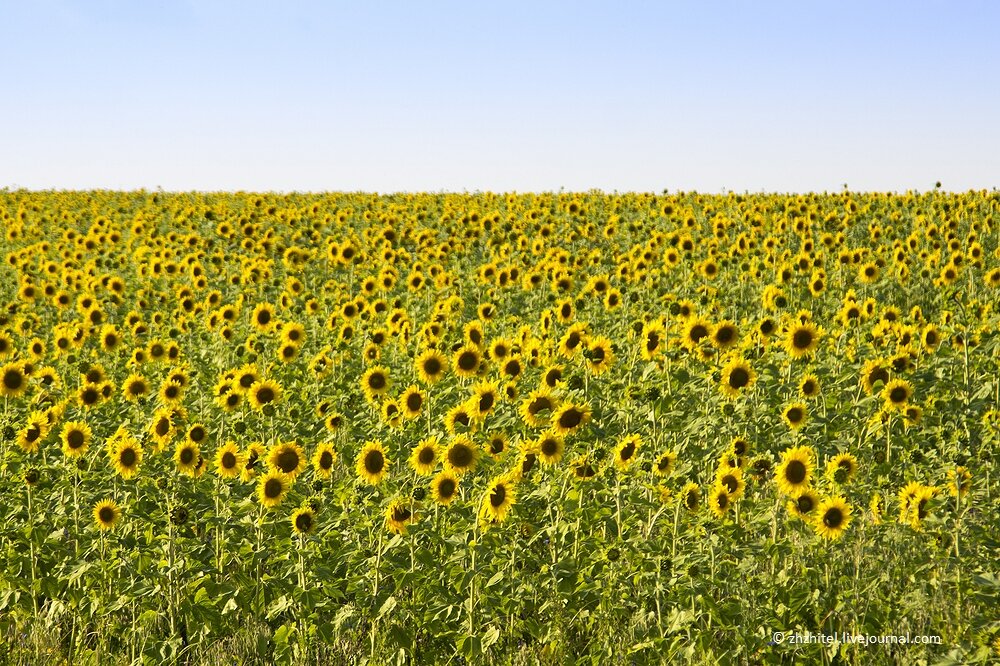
x=498, y=428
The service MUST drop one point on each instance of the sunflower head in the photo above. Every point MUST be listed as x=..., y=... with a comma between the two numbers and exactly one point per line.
x=106, y=514
x=372, y=463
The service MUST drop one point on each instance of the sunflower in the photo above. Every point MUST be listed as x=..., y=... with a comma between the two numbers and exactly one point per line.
x=134, y=387
x=303, y=521
x=461, y=455
x=552, y=376
x=809, y=386
x=583, y=468
x=75, y=437
x=731, y=479
x=431, y=366
x=627, y=451
x=444, y=487
x=833, y=515
x=794, y=473
x=323, y=460
x=466, y=361
x=896, y=394
x=461, y=417
x=876, y=508
x=696, y=329
x=272, y=488
x=13, y=380
x=255, y=451
x=262, y=318
x=550, y=447
x=653, y=336
x=795, y=415
x=425, y=455
x=186, y=457
x=569, y=417
x=106, y=514
x=33, y=432
x=803, y=504
x=665, y=463
x=197, y=434
x=375, y=382
x=484, y=399
x=691, y=496
x=412, y=401
x=399, y=514
x=372, y=463
x=246, y=377
x=919, y=506
x=498, y=499
x=841, y=468
x=538, y=407
x=599, y=355
x=572, y=340
x=263, y=393
x=959, y=481
x=126, y=456
x=873, y=372
x=228, y=461
x=288, y=458
x=719, y=501
x=496, y=445
x=802, y=339
x=725, y=335
x=930, y=338
x=737, y=375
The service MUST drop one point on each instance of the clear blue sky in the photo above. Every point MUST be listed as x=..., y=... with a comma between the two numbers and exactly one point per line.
x=427, y=95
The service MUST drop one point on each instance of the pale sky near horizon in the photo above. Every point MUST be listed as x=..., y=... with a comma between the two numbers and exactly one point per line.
x=527, y=96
